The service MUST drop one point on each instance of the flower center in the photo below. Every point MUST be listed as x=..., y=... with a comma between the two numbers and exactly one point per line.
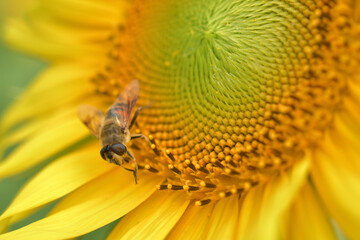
x=238, y=89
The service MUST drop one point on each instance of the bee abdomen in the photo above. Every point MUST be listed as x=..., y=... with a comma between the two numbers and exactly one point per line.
x=111, y=134
x=109, y=128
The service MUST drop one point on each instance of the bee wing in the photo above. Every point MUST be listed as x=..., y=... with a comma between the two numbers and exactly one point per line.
x=91, y=117
x=125, y=103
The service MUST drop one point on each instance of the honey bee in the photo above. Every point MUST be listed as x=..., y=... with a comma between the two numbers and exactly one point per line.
x=113, y=128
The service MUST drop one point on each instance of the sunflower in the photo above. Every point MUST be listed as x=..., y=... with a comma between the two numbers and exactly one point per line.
x=253, y=119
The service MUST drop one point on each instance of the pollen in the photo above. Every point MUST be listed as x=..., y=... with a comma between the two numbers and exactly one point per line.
x=236, y=96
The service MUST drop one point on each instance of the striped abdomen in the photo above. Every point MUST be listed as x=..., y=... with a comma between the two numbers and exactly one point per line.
x=111, y=133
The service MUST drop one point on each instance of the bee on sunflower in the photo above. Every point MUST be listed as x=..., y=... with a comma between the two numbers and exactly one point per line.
x=253, y=128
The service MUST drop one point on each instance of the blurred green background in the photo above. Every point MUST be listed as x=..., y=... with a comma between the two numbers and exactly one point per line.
x=16, y=72
x=16, y=69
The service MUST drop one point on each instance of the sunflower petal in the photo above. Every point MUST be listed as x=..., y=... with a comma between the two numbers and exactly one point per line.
x=223, y=221
x=153, y=219
x=80, y=37
x=30, y=129
x=58, y=179
x=21, y=36
x=307, y=219
x=20, y=134
x=335, y=173
x=67, y=85
x=59, y=31
x=7, y=223
x=21, y=216
x=103, y=13
x=35, y=150
x=60, y=74
x=345, y=133
x=194, y=216
x=264, y=206
x=96, y=204
x=4, y=225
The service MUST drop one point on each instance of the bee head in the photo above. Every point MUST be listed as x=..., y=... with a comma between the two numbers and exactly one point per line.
x=108, y=151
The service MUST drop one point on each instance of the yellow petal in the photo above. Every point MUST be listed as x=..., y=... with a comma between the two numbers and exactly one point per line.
x=9, y=221
x=307, y=218
x=21, y=216
x=153, y=219
x=21, y=36
x=351, y=114
x=46, y=143
x=223, y=221
x=103, y=13
x=345, y=138
x=13, y=7
x=194, y=216
x=20, y=134
x=32, y=128
x=94, y=205
x=337, y=180
x=4, y=225
x=25, y=131
x=68, y=83
x=59, y=74
x=263, y=207
x=58, y=179
x=350, y=111
x=39, y=34
x=44, y=23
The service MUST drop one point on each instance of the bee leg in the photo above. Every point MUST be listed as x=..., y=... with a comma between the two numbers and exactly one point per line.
x=136, y=166
x=141, y=136
x=133, y=171
x=153, y=147
x=136, y=115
